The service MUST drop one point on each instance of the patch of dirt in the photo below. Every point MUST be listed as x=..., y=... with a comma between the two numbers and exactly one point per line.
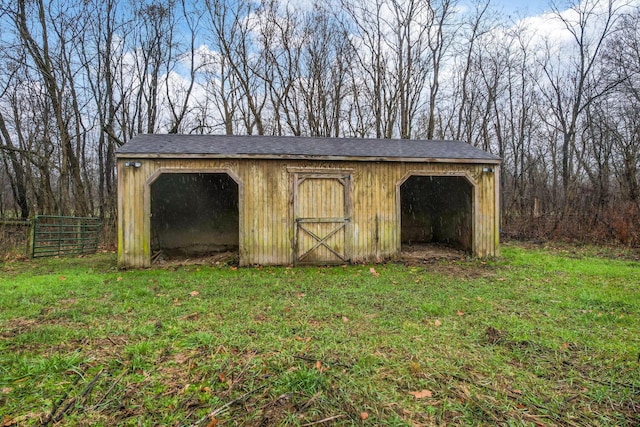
x=426, y=252
x=17, y=326
x=438, y=258
x=47, y=317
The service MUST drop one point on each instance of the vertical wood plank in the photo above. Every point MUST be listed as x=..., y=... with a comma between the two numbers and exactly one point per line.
x=121, y=220
x=496, y=212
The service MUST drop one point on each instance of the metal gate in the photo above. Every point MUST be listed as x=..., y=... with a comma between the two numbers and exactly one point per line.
x=322, y=216
x=64, y=235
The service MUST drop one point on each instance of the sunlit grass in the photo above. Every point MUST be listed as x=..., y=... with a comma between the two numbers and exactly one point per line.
x=540, y=335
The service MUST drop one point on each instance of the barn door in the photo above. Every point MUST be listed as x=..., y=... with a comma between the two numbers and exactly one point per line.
x=322, y=218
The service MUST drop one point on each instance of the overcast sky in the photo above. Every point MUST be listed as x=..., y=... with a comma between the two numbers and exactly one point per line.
x=522, y=7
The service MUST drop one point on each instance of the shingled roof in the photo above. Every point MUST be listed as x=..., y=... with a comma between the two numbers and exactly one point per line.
x=277, y=147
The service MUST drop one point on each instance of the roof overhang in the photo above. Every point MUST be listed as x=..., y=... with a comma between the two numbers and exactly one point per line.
x=158, y=156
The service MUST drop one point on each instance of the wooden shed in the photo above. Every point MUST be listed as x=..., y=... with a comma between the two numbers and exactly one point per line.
x=298, y=200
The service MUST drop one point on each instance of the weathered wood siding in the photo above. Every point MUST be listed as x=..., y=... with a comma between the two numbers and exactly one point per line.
x=267, y=211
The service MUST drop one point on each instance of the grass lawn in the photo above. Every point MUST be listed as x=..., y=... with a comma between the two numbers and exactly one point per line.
x=541, y=336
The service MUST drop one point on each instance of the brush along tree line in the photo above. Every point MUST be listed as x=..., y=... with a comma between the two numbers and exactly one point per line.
x=559, y=104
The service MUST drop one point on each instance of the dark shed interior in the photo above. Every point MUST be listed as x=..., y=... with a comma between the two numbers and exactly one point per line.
x=437, y=209
x=194, y=214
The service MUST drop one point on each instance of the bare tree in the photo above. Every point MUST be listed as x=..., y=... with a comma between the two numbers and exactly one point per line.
x=622, y=59
x=232, y=29
x=518, y=110
x=154, y=43
x=10, y=154
x=413, y=25
x=569, y=88
x=179, y=108
x=370, y=86
x=12, y=162
x=439, y=42
x=101, y=51
x=219, y=108
x=471, y=31
x=279, y=42
x=53, y=68
x=325, y=61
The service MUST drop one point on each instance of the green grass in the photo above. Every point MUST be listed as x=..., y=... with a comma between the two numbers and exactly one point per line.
x=540, y=336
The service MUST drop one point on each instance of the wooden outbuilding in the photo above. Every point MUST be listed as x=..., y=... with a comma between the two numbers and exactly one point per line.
x=301, y=200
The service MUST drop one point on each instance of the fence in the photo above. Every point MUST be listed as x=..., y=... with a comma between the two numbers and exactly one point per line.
x=64, y=235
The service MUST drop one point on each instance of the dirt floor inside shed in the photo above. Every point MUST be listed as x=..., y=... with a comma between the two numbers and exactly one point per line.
x=426, y=252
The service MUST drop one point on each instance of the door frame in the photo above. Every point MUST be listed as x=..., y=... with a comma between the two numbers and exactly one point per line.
x=473, y=184
x=176, y=170
x=345, y=178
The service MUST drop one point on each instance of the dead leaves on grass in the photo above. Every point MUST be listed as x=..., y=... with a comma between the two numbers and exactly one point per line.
x=30, y=418
x=421, y=394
